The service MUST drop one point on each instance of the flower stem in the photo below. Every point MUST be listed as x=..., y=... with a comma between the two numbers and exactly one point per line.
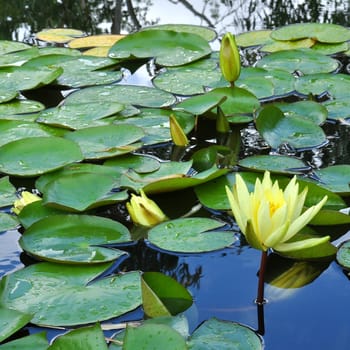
x=260, y=300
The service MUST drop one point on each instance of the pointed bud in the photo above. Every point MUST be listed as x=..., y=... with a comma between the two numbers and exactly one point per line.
x=25, y=199
x=177, y=134
x=230, y=62
x=143, y=211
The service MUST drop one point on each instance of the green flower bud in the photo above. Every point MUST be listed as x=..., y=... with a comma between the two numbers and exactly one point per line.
x=230, y=62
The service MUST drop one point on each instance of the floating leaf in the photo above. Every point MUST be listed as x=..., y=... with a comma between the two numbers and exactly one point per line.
x=323, y=32
x=278, y=45
x=330, y=217
x=95, y=40
x=100, y=142
x=253, y=38
x=33, y=156
x=126, y=94
x=11, y=321
x=217, y=334
x=7, y=46
x=63, y=295
x=335, y=178
x=35, y=341
x=58, y=35
x=303, y=60
x=330, y=49
x=277, y=129
x=190, y=235
x=20, y=106
x=338, y=109
x=7, y=222
x=7, y=192
x=163, y=296
x=90, y=337
x=169, y=48
x=74, y=239
x=343, y=255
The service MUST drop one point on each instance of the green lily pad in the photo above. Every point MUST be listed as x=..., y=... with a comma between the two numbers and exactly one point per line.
x=278, y=45
x=169, y=48
x=190, y=235
x=155, y=123
x=338, y=109
x=100, y=142
x=275, y=164
x=64, y=295
x=79, y=115
x=17, y=58
x=33, y=156
x=90, y=337
x=322, y=32
x=7, y=46
x=15, y=79
x=206, y=33
x=336, y=85
x=217, y=334
x=143, y=96
x=11, y=321
x=7, y=192
x=330, y=217
x=232, y=101
x=153, y=336
x=163, y=296
x=277, y=129
x=19, y=107
x=343, y=255
x=330, y=49
x=74, y=239
x=254, y=38
x=35, y=341
x=303, y=60
x=335, y=178
x=310, y=110
x=68, y=191
x=7, y=222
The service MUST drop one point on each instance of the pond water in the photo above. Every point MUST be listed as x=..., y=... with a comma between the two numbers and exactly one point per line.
x=224, y=283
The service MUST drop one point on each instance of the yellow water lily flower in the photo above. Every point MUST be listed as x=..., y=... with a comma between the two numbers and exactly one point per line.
x=143, y=211
x=269, y=217
x=26, y=198
x=230, y=61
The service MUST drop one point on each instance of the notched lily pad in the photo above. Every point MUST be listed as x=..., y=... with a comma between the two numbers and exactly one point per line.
x=74, y=239
x=343, y=255
x=190, y=235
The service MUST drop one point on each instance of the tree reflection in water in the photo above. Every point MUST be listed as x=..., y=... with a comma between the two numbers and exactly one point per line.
x=97, y=16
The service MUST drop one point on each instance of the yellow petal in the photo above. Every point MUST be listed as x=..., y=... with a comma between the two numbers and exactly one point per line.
x=177, y=134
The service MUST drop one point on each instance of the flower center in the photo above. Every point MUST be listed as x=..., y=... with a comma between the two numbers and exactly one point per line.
x=276, y=200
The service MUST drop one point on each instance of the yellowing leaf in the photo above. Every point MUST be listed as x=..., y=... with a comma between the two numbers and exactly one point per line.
x=95, y=40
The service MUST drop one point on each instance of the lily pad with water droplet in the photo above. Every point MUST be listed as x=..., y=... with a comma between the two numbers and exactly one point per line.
x=74, y=239
x=20, y=106
x=67, y=295
x=33, y=156
x=169, y=48
x=190, y=235
x=218, y=334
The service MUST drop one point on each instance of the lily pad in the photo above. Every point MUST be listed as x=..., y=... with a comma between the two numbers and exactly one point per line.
x=206, y=33
x=190, y=235
x=7, y=192
x=218, y=334
x=105, y=40
x=275, y=164
x=20, y=106
x=69, y=192
x=79, y=115
x=303, y=60
x=35, y=341
x=343, y=255
x=100, y=142
x=254, y=38
x=143, y=96
x=296, y=132
x=7, y=46
x=7, y=222
x=169, y=48
x=330, y=49
x=11, y=321
x=330, y=217
x=335, y=178
x=33, y=156
x=90, y=337
x=58, y=35
x=322, y=32
x=17, y=58
x=64, y=295
x=338, y=109
x=74, y=239
x=278, y=45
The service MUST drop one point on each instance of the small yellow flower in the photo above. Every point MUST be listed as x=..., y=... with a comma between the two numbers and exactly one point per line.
x=26, y=198
x=143, y=211
x=177, y=134
x=269, y=217
x=230, y=61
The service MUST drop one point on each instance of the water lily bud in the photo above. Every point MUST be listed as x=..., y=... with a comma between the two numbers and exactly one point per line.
x=177, y=134
x=143, y=211
x=25, y=199
x=270, y=217
x=230, y=61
